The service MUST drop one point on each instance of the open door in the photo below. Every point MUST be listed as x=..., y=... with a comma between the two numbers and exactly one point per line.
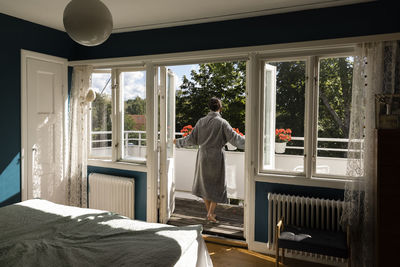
x=167, y=135
x=269, y=116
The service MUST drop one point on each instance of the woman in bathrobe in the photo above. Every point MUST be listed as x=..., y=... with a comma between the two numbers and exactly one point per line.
x=211, y=134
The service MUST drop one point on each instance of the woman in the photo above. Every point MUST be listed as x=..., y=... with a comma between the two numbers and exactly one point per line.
x=211, y=133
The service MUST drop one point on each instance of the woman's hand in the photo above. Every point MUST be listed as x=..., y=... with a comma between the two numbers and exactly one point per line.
x=174, y=141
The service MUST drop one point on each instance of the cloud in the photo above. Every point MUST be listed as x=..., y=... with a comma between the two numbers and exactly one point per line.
x=182, y=70
x=99, y=80
x=134, y=85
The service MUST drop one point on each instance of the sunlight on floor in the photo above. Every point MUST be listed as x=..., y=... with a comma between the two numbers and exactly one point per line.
x=233, y=256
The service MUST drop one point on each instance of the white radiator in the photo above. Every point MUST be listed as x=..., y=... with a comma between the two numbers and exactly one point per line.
x=112, y=193
x=314, y=213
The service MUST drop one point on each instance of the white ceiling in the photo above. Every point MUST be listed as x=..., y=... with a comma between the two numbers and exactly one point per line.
x=131, y=15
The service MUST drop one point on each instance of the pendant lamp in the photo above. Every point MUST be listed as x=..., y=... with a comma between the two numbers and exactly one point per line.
x=87, y=22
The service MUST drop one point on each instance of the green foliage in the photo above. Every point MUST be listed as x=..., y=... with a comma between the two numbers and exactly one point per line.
x=136, y=106
x=290, y=96
x=129, y=123
x=101, y=113
x=223, y=80
x=335, y=85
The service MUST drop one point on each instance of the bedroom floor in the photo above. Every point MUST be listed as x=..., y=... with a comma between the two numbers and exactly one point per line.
x=189, y=212
x=222, y=255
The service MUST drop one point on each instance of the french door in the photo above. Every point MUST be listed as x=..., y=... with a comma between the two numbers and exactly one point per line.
x=167, y=135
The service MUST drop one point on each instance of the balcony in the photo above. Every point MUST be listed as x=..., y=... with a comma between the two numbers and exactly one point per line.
x=189, y=209
x=135, y=149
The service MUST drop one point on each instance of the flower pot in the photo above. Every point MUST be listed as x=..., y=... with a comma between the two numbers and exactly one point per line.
x=231, y=147
x=280, y=147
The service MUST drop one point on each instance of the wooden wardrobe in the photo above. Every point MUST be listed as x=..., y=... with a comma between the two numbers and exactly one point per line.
x=388, y=197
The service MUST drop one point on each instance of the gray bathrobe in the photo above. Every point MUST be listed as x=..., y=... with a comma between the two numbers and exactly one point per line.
x=211, y=133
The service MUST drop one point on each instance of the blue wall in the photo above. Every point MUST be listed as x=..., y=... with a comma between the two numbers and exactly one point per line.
x=261, y=207
x=17, y=34
x=140, y=187
x=347, y=21
x=338, y=22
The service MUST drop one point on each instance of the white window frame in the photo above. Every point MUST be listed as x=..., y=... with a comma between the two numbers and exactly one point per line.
x=117, y=114
x=252, y=99
x=311, y=114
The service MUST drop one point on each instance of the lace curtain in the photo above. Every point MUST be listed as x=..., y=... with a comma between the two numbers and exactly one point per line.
x=76, y=167
x=376, y=70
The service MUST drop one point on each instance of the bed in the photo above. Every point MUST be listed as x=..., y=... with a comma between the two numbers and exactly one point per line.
x=41, y=233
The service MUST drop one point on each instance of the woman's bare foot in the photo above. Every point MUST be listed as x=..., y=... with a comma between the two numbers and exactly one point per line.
x=211, y=218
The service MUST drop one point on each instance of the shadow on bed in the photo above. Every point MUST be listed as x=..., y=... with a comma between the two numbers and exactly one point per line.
x=31, y=237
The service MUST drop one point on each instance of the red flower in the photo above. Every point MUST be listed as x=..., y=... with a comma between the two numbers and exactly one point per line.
x=282, y=135
x=186, y=130
x=237, y=130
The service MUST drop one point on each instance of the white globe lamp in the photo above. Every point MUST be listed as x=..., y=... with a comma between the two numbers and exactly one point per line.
x=87, y=22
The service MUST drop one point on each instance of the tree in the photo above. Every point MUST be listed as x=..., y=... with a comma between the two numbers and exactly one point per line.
x=129, y=123
x=101, y=117
x=335, y=97
x=335, y=81
x=223, y=80
x=290, y=95
x=101, y=113
x=136, y=106
x=227, y=82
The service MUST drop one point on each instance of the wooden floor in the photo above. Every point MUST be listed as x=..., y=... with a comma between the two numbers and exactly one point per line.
x=222, y=255
x=230, y=218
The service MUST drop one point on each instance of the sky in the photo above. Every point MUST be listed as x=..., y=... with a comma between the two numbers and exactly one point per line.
x=135, y=82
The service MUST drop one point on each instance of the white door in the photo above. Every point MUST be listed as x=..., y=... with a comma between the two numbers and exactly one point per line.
x=44, y=150
x=167, y=135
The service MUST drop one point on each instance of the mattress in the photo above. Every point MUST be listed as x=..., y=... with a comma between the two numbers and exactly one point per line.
x=41, y=233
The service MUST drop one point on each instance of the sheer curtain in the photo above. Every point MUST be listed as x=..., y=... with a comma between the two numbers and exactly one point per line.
x=376, y=67
x=76, y=165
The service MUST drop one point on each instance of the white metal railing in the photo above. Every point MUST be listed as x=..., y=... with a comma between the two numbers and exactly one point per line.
x=336, y=140
x=139, y=139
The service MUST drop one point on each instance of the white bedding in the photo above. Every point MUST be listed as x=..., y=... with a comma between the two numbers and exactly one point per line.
x=41, y=233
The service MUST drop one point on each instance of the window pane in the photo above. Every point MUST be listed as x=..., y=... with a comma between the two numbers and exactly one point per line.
x=133, y=88
x=335, y=85
x=101, y=116
x=283, y=131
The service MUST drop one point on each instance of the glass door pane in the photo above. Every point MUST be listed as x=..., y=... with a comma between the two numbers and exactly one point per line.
x=133, y=90
x=167, y=135
x=100, y=112
x=283, y=116
x=335, y=87
x=269, y=116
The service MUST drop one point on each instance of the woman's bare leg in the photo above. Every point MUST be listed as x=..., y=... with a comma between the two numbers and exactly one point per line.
x=211, y=214
x=207, y=203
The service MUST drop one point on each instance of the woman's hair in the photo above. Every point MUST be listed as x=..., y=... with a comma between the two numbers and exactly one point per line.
x=215, y=104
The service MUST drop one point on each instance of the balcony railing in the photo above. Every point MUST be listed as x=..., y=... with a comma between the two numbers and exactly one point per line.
x=138, y=138
x=291, y=160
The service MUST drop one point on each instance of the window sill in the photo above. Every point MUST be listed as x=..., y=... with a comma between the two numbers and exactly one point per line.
x=106, y=163
x=302, y=181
